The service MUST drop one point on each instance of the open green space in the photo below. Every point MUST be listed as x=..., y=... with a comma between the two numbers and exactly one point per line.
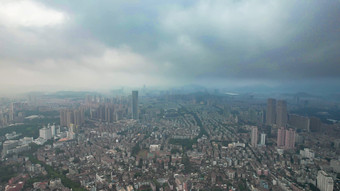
x=30, y=128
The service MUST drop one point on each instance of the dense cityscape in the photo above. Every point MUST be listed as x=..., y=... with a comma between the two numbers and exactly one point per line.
x=149, y=140
x=193, y=95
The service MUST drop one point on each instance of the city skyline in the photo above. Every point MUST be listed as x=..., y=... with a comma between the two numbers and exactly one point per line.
x=59, y=45
x=159, y=140
x=170, y=95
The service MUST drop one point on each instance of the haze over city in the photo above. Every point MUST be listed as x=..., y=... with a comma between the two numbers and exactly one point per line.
x=132, y=95
x=90, y=45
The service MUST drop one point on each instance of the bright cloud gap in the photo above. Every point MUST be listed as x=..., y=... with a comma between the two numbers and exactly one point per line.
x=26, y=13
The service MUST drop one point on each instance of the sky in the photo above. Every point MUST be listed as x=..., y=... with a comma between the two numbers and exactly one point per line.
x=88, y=45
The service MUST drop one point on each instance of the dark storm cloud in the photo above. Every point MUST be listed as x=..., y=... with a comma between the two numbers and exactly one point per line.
x=187, y=42
x=257, y=39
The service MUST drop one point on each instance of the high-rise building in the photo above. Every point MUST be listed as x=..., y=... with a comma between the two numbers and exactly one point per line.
x=52, y=127
x=324, y=181
x=299, y=122
x=263, y=139
x=78, y=117
x=109, y=113
x=289, y=138
x=71, y=132
x=45, y=133
x=69, y=117
x=104, y=112
x=280, y=137
x=285, y=138
x=135, y=105
x=11, y=113
x=254, y=136
x=271, y=111
x=315, y=124
x=74, y=116
x=281, y=113
x=63, y=118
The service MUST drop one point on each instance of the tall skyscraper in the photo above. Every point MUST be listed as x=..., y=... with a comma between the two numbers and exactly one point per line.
x=11, y=113
x=289, y=139
x=135, y=105
x=271, y=111
x=281, y=113
x=324, y=181
x=69, y=117
x=76, y=117
x=63, y=118
x=280, y=137
x=254, y=136
x=263, y=139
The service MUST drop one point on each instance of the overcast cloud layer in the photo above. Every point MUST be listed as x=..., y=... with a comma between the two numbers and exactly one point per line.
x=79, y=45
